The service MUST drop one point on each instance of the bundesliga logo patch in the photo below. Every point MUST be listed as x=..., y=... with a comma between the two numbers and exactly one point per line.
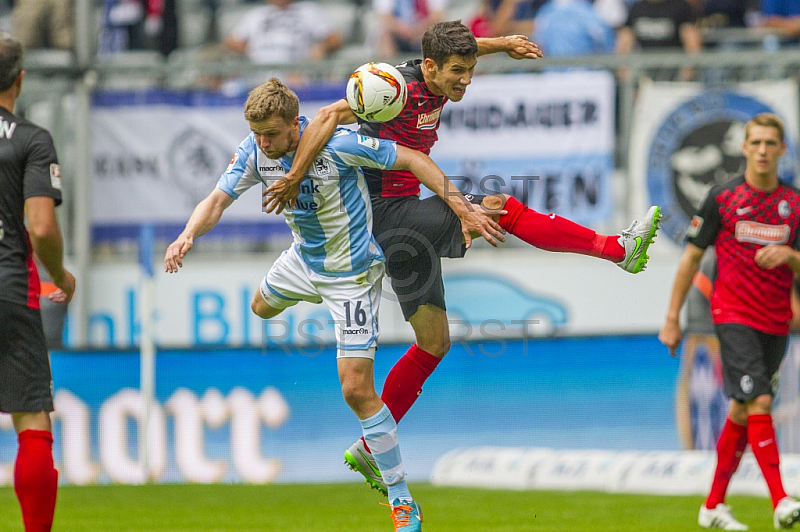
x=233, y=161
x=694, y=226
x=55, y=176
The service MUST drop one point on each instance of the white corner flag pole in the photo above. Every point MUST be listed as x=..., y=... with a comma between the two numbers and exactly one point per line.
x=147, y=350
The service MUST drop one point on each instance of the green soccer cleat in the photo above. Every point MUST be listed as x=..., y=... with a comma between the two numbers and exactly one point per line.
x=637, y=239
x=360, y=460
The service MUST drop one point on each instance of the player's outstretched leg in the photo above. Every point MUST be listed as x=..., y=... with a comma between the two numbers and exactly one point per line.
x=556, y=233
x=637, y=239
x=787, y=513
x=360, y=459
x=719, y=517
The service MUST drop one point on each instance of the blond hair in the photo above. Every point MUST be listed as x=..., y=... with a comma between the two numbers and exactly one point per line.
x=269, y=99
x=764, y=120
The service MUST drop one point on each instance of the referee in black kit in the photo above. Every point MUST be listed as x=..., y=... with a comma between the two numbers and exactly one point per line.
x=30, y=186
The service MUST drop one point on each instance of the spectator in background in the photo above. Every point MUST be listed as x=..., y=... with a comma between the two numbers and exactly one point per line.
x=502, y=17
x=480, y=24
x=44, y=24
x=138, y=25
x=726, y=13
x=571, y=27
x=661, y=25
x=613, y=12
x=402, y=23
x=282, y=32
x=783, y=16
x=513, y=17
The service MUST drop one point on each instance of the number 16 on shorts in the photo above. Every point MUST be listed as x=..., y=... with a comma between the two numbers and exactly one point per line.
x=355, y=310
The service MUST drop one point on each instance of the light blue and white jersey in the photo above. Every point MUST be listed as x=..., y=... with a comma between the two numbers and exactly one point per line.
x=332, y=218
x=249, y=166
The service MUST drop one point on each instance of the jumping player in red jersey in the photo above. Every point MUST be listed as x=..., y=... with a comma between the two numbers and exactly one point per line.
x=30, y=188
x=753, y=222
x=415, y=234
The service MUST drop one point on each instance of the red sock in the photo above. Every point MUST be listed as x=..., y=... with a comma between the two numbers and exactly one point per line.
x=554, y=233
x=404, y=382
x=761, y=436
x=36, y=480
x=730, y=448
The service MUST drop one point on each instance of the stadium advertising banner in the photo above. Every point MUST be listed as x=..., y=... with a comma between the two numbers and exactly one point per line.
x=491, y=293
x=147, y=174
x=264, y=416
x=686, y=139
x=513, y=414
x=552, y=145
x=547, y=139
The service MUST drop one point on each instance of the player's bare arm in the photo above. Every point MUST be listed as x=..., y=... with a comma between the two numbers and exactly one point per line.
x=772, y=256
x=285, y=190
x=671, y=334
x=203, y=219
x=516, y=46
x=474, y=221
x=48, y=245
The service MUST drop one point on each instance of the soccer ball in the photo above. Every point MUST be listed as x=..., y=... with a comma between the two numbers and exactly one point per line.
x=376, y=92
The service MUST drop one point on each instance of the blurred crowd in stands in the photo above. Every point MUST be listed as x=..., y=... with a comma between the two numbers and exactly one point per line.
x=292, y=31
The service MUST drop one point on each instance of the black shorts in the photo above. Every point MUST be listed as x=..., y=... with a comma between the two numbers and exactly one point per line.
x=414, y=235
x=750, y=360
x=25, y=379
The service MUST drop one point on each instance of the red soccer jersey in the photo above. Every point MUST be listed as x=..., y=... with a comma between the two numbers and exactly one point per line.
x=415, y=127
x=739, y=220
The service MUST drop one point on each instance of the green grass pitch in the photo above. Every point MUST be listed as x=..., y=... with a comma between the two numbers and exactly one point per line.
x=354, y=508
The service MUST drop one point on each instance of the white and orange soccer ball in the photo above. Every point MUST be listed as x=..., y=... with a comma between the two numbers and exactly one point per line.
x=376, y=92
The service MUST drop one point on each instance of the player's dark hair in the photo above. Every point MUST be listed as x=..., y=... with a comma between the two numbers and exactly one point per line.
x=765, y=120
x=269, y=99
x=446, y=39
x=10, y=60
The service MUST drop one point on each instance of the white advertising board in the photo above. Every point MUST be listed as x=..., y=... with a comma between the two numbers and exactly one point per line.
x=490, y=293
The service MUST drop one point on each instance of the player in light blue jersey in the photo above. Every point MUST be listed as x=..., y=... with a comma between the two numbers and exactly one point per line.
x=334, y=258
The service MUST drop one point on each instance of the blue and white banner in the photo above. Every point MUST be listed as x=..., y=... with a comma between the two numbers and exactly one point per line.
x=158, y=153
x=686, y=138
x=547, y=139
x=490, y=293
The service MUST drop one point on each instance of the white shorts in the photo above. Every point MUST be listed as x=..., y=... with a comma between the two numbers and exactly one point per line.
x=353, y=301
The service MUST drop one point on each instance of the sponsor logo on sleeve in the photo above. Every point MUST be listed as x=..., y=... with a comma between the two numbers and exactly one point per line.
x=428, y=120
x=764, y=234
x=55, y=176
x=694, y=226
x=233, y=162
x=369, y=142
